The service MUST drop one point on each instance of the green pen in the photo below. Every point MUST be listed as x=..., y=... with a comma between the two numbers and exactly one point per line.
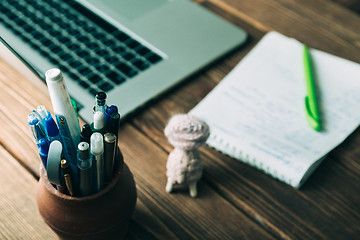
x=311, y=105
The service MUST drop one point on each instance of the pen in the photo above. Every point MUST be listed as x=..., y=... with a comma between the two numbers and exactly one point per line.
x=36, y=128
x=44, y=145
x=109, y=155
x=114, y=123
x=67, y=176
x=99, y=122
x=49, y=124
x=42, y=111
x=65, y=115
x=108, y=112
x=53, y=162
x=84, y=164
x=100, y=102
x=97, y=155
x=85, y=133
x=311, y=104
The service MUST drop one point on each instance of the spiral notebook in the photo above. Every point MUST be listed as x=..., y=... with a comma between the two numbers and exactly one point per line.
x=257, y=113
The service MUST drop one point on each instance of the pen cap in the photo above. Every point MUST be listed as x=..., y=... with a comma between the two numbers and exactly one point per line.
x=50, y=125
x=109, y=146
x=109, y=138
x=86, y=133
x=83, y=155
x=96, y=144
x=64, y=164
x=42, y=111
x=100, y=102
x=83, y=150
x=110, y=110
x=99, y=120
x=35, y=126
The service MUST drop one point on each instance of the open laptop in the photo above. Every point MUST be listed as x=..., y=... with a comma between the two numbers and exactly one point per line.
x=133, y=50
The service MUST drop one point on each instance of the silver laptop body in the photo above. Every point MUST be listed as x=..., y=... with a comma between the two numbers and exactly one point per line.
x=181, y=37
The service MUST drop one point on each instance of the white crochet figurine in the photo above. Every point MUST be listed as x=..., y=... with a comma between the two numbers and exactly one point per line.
x=186, y=133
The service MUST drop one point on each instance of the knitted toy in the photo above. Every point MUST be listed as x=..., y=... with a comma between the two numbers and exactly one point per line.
x=186, y=133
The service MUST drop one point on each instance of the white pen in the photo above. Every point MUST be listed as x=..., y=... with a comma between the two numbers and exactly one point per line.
x=99, y=122
x=97, y=155
x=65, y=114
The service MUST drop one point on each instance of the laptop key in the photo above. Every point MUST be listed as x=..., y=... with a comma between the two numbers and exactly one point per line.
x=132, y=43
x=93, y=91
x=140, y=64
x=95, y=79
x=84, y=71
x=128, y=56
x=102, y=68
x=116, y=78
x=92, y=61
x=111, y=59
x=84, y=84
x=82, y=53
x=127, y=70
x=122, y=36
x=106, y=87
x=143, y=51
x=153, y=58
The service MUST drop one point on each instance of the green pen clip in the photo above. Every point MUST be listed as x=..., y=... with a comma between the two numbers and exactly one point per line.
x=311, y=105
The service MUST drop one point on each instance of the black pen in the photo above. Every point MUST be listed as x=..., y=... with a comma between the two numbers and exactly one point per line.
x=114, y=123
x=109, y=155
x=108, y=112
x=85, y=133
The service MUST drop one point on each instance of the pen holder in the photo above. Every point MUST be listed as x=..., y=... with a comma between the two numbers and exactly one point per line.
x=104, y=215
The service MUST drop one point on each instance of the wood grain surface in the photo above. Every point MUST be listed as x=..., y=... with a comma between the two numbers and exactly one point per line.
x=235, y=201
x=19, y=216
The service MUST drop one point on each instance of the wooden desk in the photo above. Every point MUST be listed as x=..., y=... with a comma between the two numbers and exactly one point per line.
x=235, y=201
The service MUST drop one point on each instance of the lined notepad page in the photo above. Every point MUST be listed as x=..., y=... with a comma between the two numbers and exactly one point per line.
x=257, y=113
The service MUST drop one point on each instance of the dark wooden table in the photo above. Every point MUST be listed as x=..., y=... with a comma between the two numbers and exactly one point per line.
x=235, y=201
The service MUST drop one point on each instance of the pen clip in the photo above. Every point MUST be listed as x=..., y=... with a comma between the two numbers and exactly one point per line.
x=312, y=116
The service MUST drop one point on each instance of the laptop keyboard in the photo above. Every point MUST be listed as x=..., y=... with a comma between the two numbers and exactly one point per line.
x=92, y=52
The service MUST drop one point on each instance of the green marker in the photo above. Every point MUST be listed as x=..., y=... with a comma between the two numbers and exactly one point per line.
x=311, y=105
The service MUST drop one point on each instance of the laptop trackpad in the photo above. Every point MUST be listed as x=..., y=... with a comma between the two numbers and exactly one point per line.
x=132, y=9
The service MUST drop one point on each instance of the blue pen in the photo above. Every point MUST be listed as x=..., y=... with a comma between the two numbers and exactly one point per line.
x=44, y=145
x=49, y=124
x=51, y=128
x=109, y=110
